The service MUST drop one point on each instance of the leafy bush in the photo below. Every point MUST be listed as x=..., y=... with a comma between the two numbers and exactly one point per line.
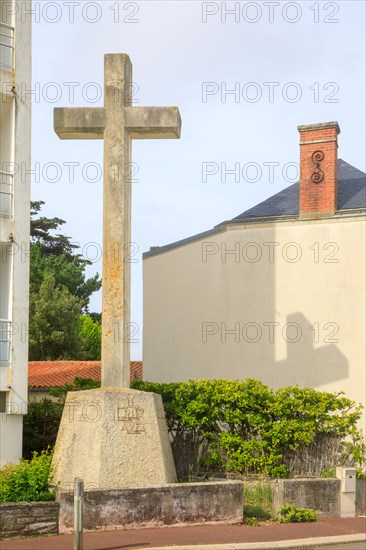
x=249, y=427
x=28, y=480
x=328, y=472
x=291, y=514
x=360, y=474
x=245, y=426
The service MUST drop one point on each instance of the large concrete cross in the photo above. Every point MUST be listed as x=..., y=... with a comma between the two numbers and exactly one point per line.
x=117, y=123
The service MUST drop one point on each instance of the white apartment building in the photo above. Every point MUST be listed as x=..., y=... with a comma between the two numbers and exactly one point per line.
x=15, y=153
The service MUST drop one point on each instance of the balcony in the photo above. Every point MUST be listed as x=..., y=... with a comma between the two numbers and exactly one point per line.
x=5, y=341
x=6, y=194
x=6, y=46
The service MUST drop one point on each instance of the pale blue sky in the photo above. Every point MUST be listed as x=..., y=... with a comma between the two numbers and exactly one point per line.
x=173, y=53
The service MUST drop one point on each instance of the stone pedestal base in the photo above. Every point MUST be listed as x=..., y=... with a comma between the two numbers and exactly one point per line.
x=113, y=438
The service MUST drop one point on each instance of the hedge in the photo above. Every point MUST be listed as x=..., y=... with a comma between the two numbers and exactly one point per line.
x=246, y=426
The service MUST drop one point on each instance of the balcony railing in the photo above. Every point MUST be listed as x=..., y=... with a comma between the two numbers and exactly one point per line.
x=6, y=45
x=5, y=341
x=6, y=193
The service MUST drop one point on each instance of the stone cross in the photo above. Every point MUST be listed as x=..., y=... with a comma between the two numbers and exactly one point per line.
x=117, y=123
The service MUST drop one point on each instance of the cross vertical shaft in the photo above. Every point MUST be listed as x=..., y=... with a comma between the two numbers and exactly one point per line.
x=116, y=288
x=117, y=123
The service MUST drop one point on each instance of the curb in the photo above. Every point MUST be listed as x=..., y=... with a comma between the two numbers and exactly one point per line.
x=274, y=545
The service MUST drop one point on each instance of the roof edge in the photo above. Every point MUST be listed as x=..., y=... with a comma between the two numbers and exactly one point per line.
x=154, y=251
x=222, y=228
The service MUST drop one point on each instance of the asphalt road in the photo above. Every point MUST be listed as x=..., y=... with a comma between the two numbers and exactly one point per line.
x=207, y=535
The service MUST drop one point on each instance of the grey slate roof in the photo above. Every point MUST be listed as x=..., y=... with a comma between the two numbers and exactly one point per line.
x=351, y=194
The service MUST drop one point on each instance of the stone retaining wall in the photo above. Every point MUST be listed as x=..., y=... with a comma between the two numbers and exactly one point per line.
x=322, y=495
x=28, y=518
x=156, y=506
x=168, y=505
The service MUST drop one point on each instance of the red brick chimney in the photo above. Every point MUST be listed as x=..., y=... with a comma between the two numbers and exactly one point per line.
x=318, y=169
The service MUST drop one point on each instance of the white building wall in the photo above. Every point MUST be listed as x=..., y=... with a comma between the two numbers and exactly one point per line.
x=220, y=307
x=15, y=151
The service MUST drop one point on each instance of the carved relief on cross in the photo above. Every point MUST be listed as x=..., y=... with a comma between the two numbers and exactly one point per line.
x=117, y=123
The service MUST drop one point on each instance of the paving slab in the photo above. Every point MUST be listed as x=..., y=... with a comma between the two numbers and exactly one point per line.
x=215, y=537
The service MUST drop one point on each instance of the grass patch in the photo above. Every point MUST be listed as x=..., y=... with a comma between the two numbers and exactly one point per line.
x=257, y=502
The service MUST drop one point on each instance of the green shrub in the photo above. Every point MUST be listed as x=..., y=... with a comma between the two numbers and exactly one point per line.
x=28, y=480
x=248, y=427
x=328, y=472
x=291, y=514
x=360, y=474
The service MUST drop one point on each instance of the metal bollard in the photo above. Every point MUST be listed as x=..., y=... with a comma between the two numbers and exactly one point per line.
x=78, y=513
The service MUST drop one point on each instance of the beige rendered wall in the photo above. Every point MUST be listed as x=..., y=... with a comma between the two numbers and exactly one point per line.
x=306, y=274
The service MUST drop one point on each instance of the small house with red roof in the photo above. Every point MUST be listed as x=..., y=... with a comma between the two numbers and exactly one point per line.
x=44, y=375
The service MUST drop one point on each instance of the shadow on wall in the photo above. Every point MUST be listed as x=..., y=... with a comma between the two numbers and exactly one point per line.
x=307, y=365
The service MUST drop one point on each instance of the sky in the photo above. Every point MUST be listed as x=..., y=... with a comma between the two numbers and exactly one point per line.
x=244, y=76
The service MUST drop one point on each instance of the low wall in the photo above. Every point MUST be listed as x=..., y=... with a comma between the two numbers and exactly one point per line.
x=361, y=497
x=323, y=495
x=156, y=506
x=28, y=518
x=168, y=505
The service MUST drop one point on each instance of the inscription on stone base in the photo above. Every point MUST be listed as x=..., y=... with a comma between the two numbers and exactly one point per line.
x=131, y=417
x=108, y=437
x=125, y=411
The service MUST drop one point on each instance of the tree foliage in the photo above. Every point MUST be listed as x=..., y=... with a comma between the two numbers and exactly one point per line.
x=58, y=255
x=60, y=292
x=91, y=334
x=54, y=323
x=41, y=228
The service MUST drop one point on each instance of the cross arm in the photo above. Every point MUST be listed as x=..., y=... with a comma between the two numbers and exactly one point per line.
x=79, y=122
x=153, y=122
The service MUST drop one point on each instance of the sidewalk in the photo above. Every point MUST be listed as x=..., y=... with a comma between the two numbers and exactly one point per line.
x=335, y=530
